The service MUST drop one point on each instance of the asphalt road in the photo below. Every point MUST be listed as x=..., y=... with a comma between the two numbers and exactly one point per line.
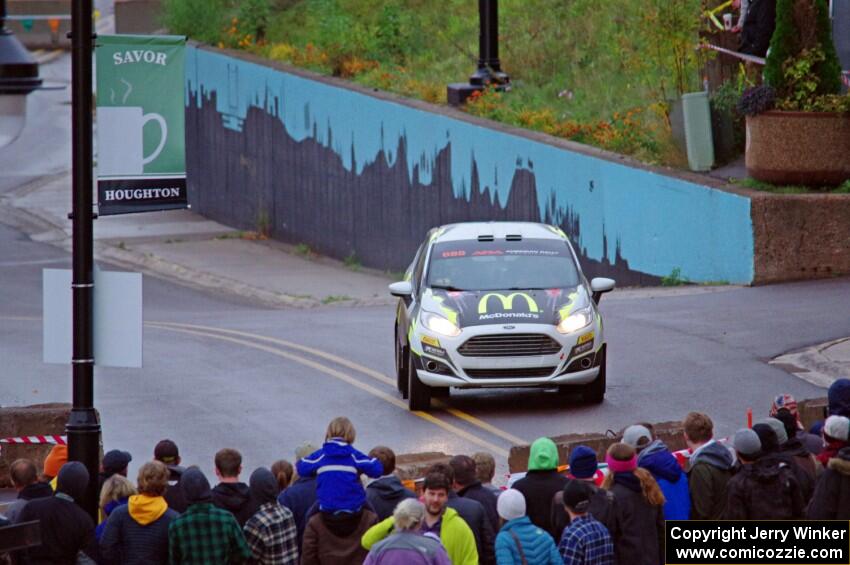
x=219, y=372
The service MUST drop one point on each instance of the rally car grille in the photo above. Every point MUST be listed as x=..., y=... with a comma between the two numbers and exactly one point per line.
x=509, y=373
x=509, y=345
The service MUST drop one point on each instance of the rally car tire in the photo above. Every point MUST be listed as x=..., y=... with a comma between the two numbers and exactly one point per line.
x=594, y=392
x=419, y=394
x=400, y=368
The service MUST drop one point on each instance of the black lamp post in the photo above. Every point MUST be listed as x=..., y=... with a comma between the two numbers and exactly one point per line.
x=83, y=428
x=489, y=71
x=18, y=77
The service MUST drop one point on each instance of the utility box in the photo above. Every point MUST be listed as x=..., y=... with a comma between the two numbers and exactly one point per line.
x=697, y=116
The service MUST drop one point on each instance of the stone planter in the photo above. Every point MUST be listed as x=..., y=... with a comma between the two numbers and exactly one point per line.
x=799, y=148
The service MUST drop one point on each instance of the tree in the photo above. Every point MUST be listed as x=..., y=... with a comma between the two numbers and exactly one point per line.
x=802, y=53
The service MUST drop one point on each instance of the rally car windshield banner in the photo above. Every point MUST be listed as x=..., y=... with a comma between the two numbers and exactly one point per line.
x=498, y=265
x=141, y=162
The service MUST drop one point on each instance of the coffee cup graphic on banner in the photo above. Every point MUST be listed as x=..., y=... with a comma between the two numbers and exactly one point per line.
x=120, y=140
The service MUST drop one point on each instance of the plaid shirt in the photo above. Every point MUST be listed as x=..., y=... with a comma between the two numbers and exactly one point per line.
x=206, y=535
x=272, y=536
x=586, y=542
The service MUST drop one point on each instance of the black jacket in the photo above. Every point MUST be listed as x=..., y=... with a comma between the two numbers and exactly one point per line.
x=758, y=27
x=236, y=498
x=831, y=500
x=299, y=497
x=174, y=494
x=385, y=493
x=764, y=490
x=475, y=516
x=487, y=499
x=601, y=508
x=538, y=488
x=29, y=492
x=638, y=533
x=66, y=529
x=802, y=463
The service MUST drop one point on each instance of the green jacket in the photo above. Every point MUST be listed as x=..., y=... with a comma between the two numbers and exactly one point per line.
x=455, y=534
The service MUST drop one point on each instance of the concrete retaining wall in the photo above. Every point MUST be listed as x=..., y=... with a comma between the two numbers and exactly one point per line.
x=40, y=419
x=364, y=174
x=355, y=172
x=800, y=236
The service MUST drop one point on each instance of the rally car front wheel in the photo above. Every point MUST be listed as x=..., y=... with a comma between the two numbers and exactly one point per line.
x=419, y=394
x=594, y=392
x=400, y=367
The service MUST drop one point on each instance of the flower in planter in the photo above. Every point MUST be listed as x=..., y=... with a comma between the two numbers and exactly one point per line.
x=757, y=99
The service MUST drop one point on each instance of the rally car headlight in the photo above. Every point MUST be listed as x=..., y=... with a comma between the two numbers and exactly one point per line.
x=576, y=321
x=439, y=324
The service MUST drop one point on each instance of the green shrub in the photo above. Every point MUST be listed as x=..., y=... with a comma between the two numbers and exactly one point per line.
x=254, y=17
x=802, y=62
x=204, y=20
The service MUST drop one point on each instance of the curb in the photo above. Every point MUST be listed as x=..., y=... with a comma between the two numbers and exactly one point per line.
x=812, y=365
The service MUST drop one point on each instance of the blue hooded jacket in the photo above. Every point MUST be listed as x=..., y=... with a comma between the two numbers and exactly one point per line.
x=658, y=460
x=337, y=467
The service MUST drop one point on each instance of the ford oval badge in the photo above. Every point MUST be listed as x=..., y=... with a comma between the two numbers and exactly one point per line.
x=509, y=327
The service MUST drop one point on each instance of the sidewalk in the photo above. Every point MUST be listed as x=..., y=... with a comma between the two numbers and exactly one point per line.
x=185, y=247
x=819, y=364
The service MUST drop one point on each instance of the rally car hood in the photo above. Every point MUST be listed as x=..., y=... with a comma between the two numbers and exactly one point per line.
x=480, y=307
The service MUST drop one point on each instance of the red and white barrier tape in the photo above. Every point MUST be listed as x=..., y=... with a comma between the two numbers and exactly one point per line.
x=737, y=55
x=35, y=440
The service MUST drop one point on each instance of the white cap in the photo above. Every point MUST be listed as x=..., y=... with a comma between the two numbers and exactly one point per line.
x=511, y=504
x=837, y=427
x=637, y=436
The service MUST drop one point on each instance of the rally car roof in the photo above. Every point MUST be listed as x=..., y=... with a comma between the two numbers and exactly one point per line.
x=496, y=230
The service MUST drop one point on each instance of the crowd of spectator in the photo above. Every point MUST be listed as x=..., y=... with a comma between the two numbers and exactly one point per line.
x=318, y=510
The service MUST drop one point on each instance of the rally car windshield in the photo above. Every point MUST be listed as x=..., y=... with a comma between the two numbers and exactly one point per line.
x=502, y=265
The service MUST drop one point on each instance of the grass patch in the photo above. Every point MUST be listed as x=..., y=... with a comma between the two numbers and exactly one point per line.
x=231, y=235
x=593, y=75
x=334, y=298
x=675, y=278
x=754, y=184
x=305, y=251
x=352, y=262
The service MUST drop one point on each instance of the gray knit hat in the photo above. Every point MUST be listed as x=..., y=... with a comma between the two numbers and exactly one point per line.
x=746, y=442
x=778, y=428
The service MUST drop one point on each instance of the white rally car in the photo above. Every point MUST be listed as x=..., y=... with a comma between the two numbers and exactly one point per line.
x=498, y=304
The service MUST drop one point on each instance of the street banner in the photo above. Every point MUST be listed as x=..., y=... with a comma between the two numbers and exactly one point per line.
x=141, y=155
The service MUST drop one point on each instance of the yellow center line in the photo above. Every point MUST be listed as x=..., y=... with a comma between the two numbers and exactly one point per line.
x=469, y=418
x=343, y=377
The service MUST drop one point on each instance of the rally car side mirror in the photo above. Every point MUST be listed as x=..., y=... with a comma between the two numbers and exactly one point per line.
x=601, y=285
x=401, y=289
